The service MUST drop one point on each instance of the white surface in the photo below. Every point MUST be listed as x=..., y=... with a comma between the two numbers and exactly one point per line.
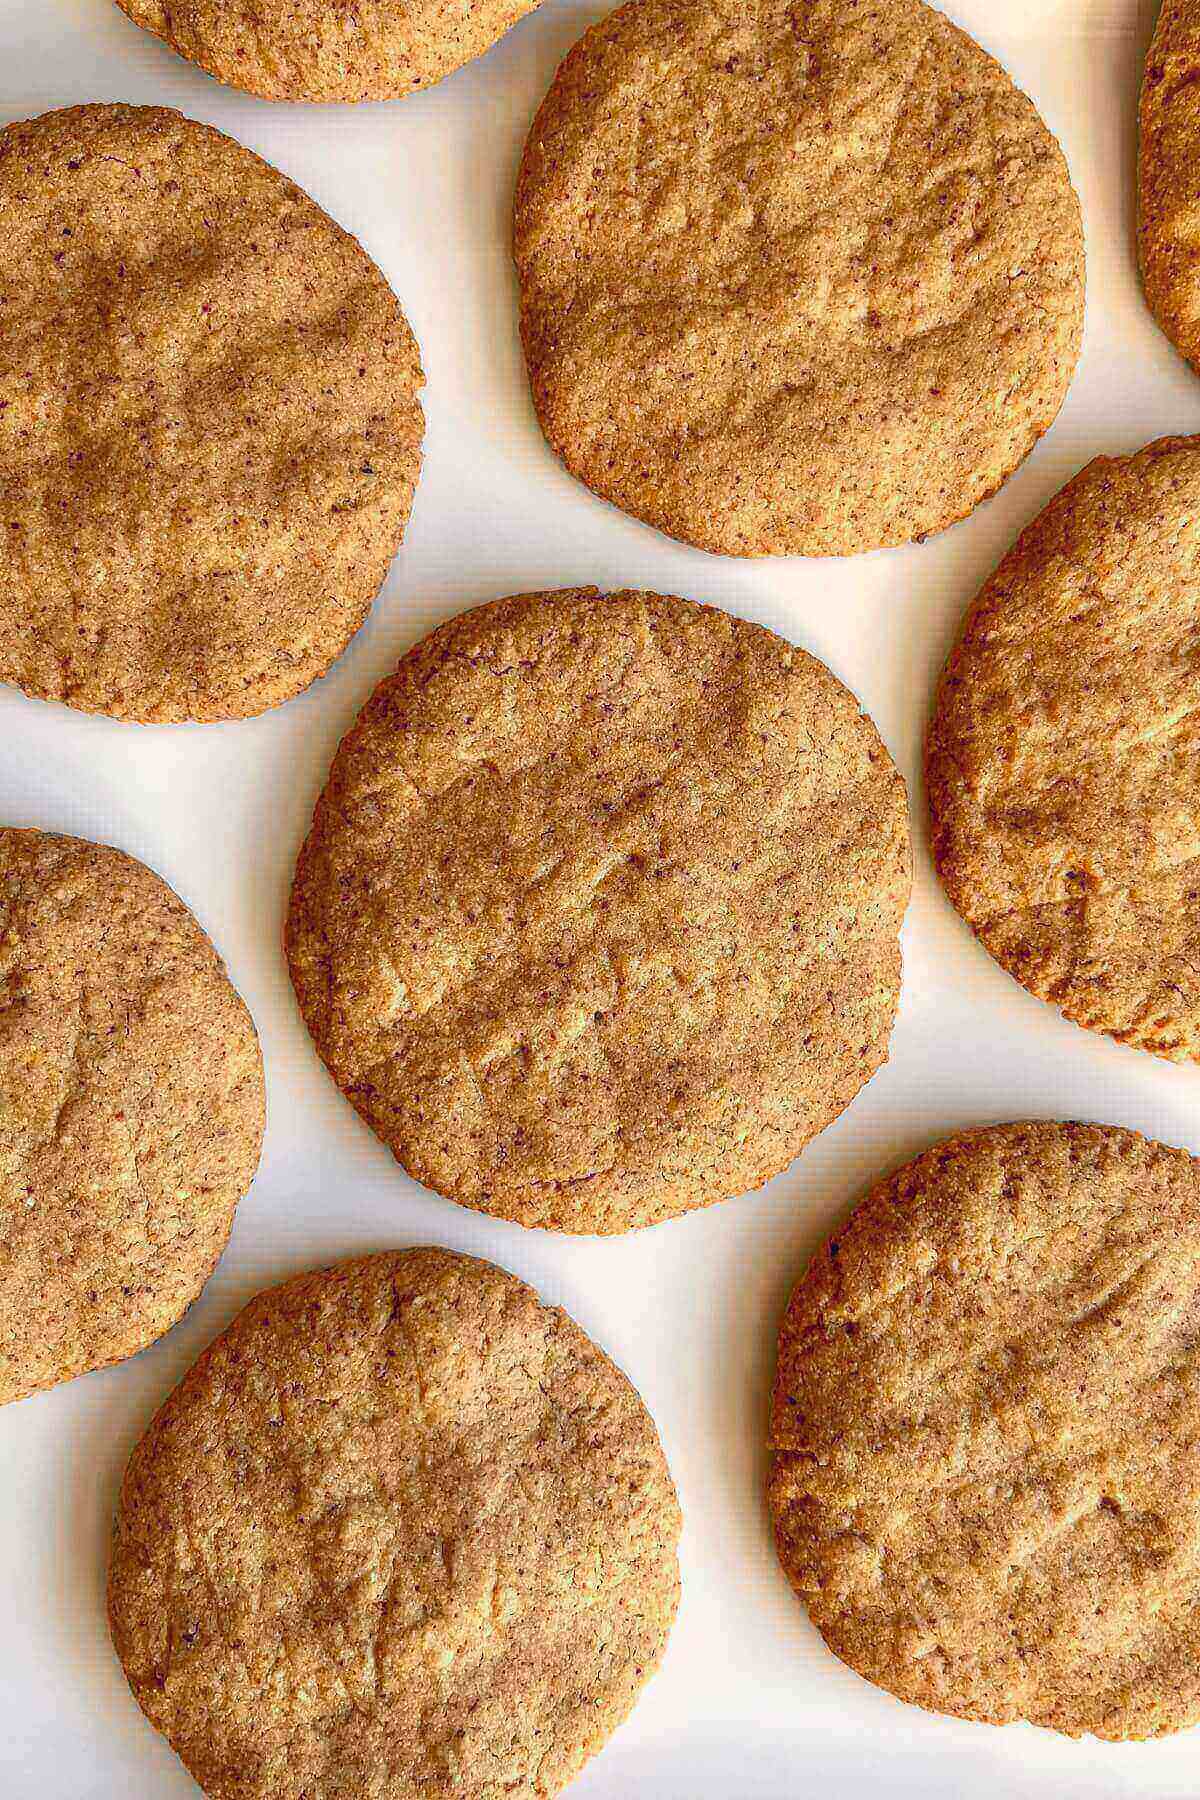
x=748, y=1705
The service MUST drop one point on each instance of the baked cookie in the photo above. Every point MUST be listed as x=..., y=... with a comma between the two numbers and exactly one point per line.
x=597, y=919
x=1169, y=176
x=797, y=276
x=324, y=50
x=403, y=1530
x=131, y=1108
x=984, y=1476
x=209, y=425
x=1063, y=761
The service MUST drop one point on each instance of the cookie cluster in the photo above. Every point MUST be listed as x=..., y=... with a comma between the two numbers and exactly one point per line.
x=599, y=917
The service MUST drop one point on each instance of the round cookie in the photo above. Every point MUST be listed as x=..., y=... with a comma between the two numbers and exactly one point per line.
x=320, y=50
x=1168, y=177
x=597, y=920
x=795, y=277
x=984, y=1477
x=209, y=425
x=131, y=1108
x=401, y=1518
x=1063, y=761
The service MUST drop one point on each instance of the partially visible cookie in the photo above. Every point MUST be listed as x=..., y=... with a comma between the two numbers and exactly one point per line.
x=1169, y=175
x=797, y=276
x=402, y=1530
x=597, y=920
x=1063, y=761
x=325, y=50
x=209, y=425
x=985, y=1481
x=131, y=1108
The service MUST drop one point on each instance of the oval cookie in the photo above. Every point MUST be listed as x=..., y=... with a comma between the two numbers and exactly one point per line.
x=400, y=1518
x=131, y=1108
x=795, y=278
x=1063, y=761
x=597, y=920
x=322, y=50
x=209, y=426
x=1169, y=176
x=984, y=1477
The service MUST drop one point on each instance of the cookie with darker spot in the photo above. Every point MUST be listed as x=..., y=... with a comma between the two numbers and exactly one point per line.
x=209, y=425
x=323, y=50
x=984, y=1477
x=795, y=278
x=598, y=917
x=403, y=1528
x=1063, y=761
x=131, y=1108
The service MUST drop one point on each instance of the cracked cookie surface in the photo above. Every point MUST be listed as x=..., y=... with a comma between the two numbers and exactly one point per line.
x=402, y=1531
x=209, y=425
x=795, y=277
x=985, y=1482
x=1169, y=175
x=598, y=917
x=1063, y=761
x=324, y=50
x=131, y=1108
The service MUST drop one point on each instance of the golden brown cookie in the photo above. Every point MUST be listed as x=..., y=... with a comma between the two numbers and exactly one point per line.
x=325, y=50
x=1063, y=761
x=1169, y=176
x=402, y=1530
x=796, y=275
x=209, y=425
x=597, y=919
x=985, y=1481
x=131, y=1108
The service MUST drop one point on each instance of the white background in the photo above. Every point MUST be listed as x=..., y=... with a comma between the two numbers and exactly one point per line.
x=748, y=1705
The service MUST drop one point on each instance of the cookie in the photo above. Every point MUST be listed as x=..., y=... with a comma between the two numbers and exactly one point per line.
x=131, y=1108
x=597, y=919
x=797, y=276
x=319, y=50
x=984, y=1477
x=403, y=1529
x=1168, y=178
x=1063, y=760
x=209, y=425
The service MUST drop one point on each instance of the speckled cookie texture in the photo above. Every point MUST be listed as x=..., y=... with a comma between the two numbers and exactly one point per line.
x=131, y=1108
x=1063, y=761
x=403, y=1532
x=985, y=1432
x=209, y=425
x=797, y=276
x=598, y=917
x=328, y=49
x=1169, y=176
